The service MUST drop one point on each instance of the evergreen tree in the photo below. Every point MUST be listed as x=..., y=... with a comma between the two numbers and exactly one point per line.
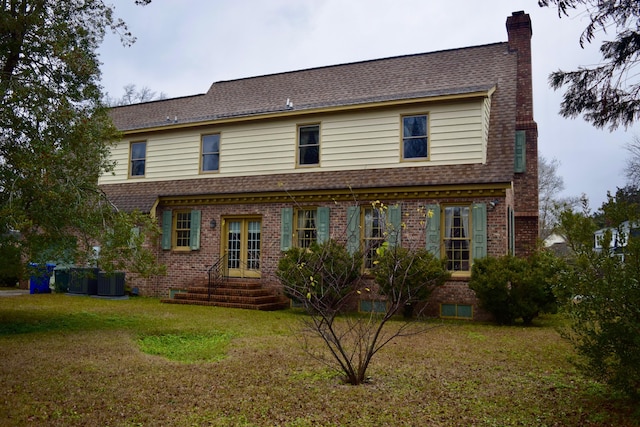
x=606, y=94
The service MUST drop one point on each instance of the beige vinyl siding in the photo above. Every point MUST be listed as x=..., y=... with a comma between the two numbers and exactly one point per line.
x=356, y=140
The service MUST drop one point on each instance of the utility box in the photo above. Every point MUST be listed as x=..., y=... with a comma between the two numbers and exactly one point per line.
x=83, y=281
x=112, y=284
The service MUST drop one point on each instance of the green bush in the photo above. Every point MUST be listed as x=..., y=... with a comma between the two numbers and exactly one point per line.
x=323, y=274
x=408, y=276
x=602, y=295
x=511, y=288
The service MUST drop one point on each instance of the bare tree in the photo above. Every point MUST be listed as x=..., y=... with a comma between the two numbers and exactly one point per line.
x=632, y=170
x=326, y=279
x=550, y=185
x=132, y=95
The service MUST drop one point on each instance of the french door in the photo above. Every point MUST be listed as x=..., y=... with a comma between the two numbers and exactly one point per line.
x=242, y=246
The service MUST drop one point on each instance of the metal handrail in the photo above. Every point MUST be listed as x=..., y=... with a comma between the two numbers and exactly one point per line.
x=216, y=273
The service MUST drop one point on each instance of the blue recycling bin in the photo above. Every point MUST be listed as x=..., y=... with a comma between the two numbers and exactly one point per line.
x=39, y=278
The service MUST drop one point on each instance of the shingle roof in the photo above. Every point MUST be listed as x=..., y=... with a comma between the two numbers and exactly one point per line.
x=448, y=72
x=457, y=71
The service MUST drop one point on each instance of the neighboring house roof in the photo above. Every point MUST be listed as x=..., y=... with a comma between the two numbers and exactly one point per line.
x=449, y=72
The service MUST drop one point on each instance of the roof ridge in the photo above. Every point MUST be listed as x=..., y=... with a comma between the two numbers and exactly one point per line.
x=345, y=64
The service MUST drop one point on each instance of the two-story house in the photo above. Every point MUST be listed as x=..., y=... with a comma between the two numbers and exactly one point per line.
x=254, y=166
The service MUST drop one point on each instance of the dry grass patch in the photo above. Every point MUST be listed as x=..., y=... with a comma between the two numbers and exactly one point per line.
x=77, y=361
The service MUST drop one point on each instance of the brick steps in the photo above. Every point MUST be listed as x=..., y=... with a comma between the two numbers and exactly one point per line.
x=247, y=294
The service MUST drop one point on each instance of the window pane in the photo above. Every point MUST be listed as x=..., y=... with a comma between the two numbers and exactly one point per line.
x=309, y=135
x=415, y=126
x=138, y=150
x=309, y=156
x=210, y=144
x=137, y=168
x=414, y=148
x=210, y=162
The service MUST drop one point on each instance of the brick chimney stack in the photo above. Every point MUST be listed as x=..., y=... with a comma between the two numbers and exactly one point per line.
x=519, y=31
x=525, y=185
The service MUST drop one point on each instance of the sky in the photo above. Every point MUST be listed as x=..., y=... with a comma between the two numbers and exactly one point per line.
x=183, y=46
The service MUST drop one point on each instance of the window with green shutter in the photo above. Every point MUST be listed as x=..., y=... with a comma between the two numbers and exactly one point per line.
x=303, y=226
x=460, y=231
x=181, y=230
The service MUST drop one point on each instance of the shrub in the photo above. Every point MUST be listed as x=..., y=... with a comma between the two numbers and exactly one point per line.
x=323, y=274
x=602, y=294
x=511, y=288
x=408, y=276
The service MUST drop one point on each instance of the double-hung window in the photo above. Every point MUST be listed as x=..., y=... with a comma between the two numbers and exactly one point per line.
x=373, y=236
x=457, y=238
x=414, y=137
x=457, y=233
x=210, y=153
x=309, y=145
x=138, y=157
x=181, y=230
x=306, y=230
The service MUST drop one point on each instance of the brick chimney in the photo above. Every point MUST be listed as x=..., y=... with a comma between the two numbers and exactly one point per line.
x=519, y=31
x=525, y=185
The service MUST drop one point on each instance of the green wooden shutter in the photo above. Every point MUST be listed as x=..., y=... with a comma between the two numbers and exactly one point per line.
x=194, y=232
x=395, y=223
x=433, y=229
x=479, y=225
x=322, y=225
x=167, y=222
x=353, y=229
x=520, y=159
x=286, y=228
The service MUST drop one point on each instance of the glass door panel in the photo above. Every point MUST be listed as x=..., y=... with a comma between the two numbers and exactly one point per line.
x=242, y=246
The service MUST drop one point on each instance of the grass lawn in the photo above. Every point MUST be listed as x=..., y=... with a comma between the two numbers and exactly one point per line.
x=80, y=361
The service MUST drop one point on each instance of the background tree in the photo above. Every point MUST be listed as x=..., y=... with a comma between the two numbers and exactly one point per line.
x=602, y=296
x=132, y=95
x=550, y=185
x=632, y=167
x=607, y=93
x=55, y=133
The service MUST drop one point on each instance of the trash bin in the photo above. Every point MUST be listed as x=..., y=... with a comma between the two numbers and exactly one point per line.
x=39, y=278
x=111, y=284
x=83, y=281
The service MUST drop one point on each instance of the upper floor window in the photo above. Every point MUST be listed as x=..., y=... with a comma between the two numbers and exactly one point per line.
x=138, y=158
x=211, y=152
x=306, y=230
x=309, y=145
x=414, y=137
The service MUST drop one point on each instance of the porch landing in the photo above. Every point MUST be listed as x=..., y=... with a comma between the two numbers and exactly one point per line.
x=251, y=294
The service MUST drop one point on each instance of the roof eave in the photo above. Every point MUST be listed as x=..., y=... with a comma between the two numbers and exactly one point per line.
x=467, y=93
